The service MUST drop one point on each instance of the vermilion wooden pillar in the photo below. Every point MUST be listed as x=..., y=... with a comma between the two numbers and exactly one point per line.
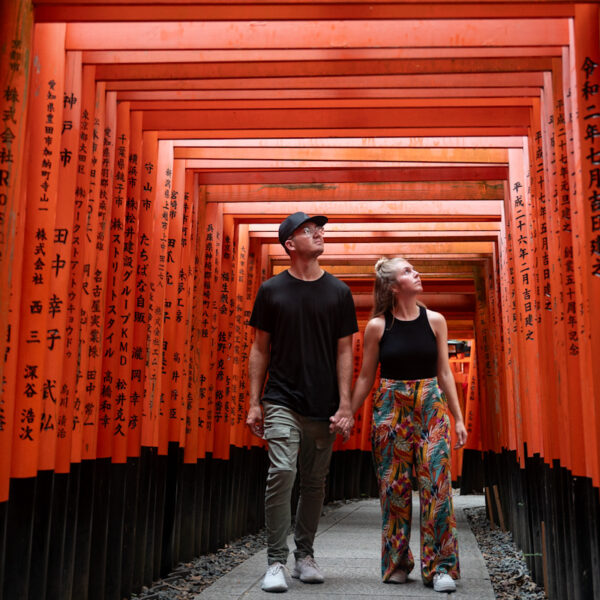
x=16, y=32
x=157, y=415
x=113, y=411
x=131, y=237
x=194, y=416
x=145, y=180
x=241, y=308
x=59, y=392
x=44, y=126
x=585, y=75
x=174, y=327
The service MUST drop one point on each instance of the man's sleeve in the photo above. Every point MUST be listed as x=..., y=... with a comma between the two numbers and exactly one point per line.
x=348, y=323
x=260, y=313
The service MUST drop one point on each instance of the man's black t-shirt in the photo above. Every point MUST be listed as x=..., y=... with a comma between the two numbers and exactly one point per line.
x=305, y=320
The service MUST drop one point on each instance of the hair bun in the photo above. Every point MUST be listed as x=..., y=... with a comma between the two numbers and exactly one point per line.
x=380, y=263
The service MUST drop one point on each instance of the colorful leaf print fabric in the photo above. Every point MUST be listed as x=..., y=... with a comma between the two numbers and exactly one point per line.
x=411, y=426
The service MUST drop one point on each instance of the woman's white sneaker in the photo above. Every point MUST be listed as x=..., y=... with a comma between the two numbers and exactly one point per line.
x=274, y=580
x=442, y=582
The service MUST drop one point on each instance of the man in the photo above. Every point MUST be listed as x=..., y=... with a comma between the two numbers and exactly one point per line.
x=304, y=319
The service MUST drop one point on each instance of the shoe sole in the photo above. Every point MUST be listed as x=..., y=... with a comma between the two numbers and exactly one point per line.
x=276, y=590
x=446, y=588
x=296, y=576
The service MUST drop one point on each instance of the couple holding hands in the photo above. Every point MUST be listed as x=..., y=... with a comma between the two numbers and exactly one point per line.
x=304, y=319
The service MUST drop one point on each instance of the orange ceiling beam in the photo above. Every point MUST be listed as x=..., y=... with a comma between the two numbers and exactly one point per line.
x=322, y=176
x=448, y=131
x=83, y=10
x=423, y=118
x=353, y=211
x=449, y=80
x=470, y=155
x=318, y=68
x=309, y=54
x=430, y=33
x=326, y=94
x=359, y=192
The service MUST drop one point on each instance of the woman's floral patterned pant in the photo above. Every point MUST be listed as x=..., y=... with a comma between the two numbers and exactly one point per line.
x=411, y=427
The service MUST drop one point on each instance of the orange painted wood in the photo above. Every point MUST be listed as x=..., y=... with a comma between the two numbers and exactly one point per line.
x=97, y=436
x=174, y=326
x=315, y=34
x=142, y=407
x=35, y=339
x=449, y=131
x=209, y=268
x=527, y=334
x=327, y=94
x=114, y=405
x=544, y=411
x=60, y=384
x=90, y=306
x=336, y=118
x=391, y=81
x=156, y=423
x=11, y=354
x=132, y=360
x=253, y=281
x=321, y=176
x=223, y=412
x=287, y=67
x=16, y=31
x=364, y=155
x=195, y=420
x=571, y=298
x=97, y=57
x=346, y=192
x=185, y=295
x=412, y=210
x=240, y=347
x=81, y=255
x=130, y=11
x=585, y=75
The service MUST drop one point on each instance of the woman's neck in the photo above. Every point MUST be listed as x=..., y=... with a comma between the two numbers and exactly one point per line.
x=406, y=309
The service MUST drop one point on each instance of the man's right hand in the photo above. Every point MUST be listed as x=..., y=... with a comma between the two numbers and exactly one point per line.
x=254, y=420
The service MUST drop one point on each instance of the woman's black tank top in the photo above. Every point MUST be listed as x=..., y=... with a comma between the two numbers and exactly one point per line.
x=408, y=349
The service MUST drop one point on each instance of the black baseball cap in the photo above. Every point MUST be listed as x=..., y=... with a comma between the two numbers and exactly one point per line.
x=291, y=223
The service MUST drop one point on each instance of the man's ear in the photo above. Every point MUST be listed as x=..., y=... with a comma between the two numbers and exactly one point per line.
x=289, y=244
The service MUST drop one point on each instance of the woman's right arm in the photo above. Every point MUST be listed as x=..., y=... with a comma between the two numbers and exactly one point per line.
x=368, y=369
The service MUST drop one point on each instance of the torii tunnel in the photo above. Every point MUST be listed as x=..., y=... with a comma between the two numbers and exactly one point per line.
x=148, y=152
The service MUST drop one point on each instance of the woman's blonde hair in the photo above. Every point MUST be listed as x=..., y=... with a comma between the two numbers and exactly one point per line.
x=385, y=276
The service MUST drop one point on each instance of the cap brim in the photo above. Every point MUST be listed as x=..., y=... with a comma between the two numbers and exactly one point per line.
x=320, y=220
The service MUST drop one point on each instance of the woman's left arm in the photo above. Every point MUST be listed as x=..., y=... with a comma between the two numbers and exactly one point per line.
x=445, y=377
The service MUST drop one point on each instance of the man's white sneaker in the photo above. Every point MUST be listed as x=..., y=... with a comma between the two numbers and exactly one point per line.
x=307, y=570
x=442, y=582
x=274, y=580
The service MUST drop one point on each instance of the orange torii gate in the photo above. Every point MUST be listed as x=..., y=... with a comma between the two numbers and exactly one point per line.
x=143, y=169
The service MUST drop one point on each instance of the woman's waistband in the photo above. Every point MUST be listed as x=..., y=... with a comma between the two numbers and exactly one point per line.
x=390, y=382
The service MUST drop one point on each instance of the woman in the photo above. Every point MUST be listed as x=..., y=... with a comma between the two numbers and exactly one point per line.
x=411, y=424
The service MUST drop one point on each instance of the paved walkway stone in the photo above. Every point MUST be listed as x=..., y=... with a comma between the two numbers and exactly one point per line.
x=347, y=548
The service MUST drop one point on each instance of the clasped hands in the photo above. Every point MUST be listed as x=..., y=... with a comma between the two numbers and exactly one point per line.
x=342, y=422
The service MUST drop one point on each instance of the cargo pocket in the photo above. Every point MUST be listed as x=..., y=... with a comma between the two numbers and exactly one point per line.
x=283, y=447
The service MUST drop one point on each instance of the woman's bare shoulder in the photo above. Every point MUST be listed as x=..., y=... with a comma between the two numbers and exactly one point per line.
x=375, y=327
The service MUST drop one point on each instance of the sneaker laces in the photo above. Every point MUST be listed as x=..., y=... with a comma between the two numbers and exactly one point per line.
x=311, y=562
x=276, y=567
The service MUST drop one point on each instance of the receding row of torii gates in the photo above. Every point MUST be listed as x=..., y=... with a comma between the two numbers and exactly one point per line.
x=148, y=153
